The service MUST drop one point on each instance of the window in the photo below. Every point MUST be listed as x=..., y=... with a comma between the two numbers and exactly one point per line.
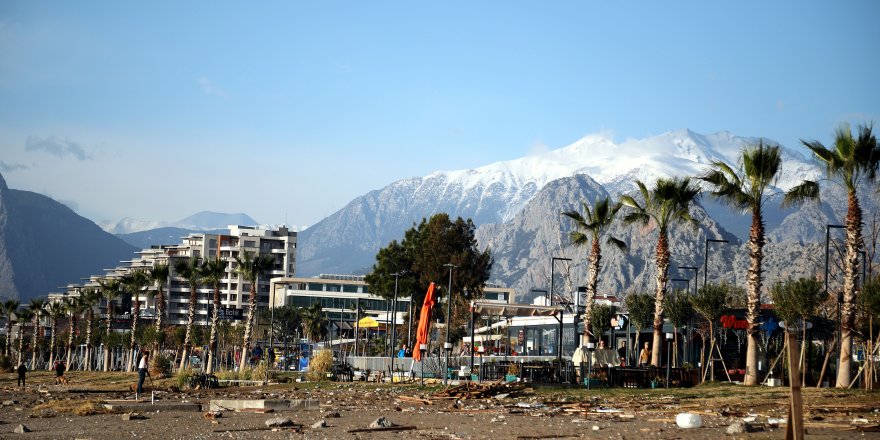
x=334, y=288
x=317, y=287
x=212, y=242
x=249, y=243
x=349, y=288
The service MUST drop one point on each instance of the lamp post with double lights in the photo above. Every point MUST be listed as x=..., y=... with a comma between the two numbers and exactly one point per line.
x=446, y=344
x=590, y=347
x=668, y=353
x=423, y=348
x=706, y=258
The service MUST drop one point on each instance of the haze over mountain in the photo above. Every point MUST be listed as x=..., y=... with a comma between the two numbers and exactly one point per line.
x=201, y=221
x=44, y=245
x=517, y=206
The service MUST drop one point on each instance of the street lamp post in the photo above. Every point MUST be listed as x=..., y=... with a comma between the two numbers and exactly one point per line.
x=423, y=348
x=448, y=322
x=394, y=323
x=668, y=352
x=688, y=333
x=590, y=347
x=828, y=229
x=706, y=258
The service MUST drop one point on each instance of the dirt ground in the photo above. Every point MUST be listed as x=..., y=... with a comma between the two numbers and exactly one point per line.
x=540, y=412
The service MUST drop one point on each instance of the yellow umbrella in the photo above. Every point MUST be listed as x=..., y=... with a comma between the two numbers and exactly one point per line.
x=368, y=322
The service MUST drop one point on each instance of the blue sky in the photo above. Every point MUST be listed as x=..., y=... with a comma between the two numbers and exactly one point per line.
x=157, y=110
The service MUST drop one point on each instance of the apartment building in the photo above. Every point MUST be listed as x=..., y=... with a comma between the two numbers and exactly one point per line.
x=234, y=291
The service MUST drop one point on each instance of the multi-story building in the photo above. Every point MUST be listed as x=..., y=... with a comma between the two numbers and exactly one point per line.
x=234, y=291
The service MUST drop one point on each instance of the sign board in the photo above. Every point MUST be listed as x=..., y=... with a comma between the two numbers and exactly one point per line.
x=230, y=314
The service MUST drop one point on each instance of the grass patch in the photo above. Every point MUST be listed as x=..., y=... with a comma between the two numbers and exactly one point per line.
x=73, y=407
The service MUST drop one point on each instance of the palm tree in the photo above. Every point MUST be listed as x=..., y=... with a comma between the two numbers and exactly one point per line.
x=24, y=316
x=159, y=278
x=189, y=270
x=56, y=310
x=9, y=308
x=73, y=306
x=111, y=289
x=315, y=322
x=591, y=225
x=212, y=272
x=667, y=202
x=90, y=298
x=745, y=190
x=133, y=283
x=849, y=161
x=640, y=307
x=38, y=308
x=250, y=268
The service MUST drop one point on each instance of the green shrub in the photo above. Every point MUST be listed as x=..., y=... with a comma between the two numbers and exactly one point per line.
x=183, y=377
x=160, y=366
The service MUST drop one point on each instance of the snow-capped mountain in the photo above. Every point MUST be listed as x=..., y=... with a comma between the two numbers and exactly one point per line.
x=347, y=241
x=201, y=221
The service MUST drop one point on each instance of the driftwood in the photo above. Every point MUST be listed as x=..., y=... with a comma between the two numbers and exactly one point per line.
x=384, y=428
x=481, y=391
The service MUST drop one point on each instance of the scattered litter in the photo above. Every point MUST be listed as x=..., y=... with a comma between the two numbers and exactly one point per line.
x=860, y=421
x=688, y=420
x=777, y=421
x=279, y=422
x=320, y=424
x=603, y=409
x=382, y=422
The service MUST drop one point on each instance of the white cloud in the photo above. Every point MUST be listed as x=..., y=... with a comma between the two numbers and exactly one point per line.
x=9, y=167
x=57, y=147
x=211, y=89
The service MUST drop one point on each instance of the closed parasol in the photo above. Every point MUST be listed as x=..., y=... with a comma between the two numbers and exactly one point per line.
x=424, y=322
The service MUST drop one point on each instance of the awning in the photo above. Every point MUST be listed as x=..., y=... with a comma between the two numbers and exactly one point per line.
x=510, y=310
x=483, y=338
x=485, y=328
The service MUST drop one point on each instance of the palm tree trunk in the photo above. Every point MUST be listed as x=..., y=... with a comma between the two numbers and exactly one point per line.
x=592, y=283
x=107, y=339
x=34, y=343
x=20, y=342
x=191, y=317
x=71, y=329
x=52, y=343
x=252, y=309
x=854, y=242
x=160, y=311
x=661, y=279
x=135, y=315
x=756, y=260
x=89, y=345
x=8, y=348
x=215, y=318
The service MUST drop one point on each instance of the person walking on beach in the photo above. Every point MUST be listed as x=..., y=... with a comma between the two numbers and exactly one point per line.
x=143, y=365
x=21, y=372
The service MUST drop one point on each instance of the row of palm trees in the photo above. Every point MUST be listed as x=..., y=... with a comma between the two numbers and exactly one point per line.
x=745, y=188
x=151, y=282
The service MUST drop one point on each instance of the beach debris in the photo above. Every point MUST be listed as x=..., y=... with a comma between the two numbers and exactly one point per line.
x=688, y=420
x=382, y=422
x=279, y=422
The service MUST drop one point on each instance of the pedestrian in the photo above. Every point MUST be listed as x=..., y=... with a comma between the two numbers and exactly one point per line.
x=270, y=355
x=59, y=372
x=21, y=371
x=645, y=355
x=143, y=367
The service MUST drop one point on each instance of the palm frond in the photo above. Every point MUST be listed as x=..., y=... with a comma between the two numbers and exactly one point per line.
x=808, y=190
x=616, y=243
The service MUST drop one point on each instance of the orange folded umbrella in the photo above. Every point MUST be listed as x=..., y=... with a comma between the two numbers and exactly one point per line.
x=424, y=322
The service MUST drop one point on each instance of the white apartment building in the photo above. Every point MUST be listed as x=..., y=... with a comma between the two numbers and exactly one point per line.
x=234, y=292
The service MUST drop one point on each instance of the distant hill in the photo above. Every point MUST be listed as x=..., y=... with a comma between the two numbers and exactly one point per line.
x=44, y=245
x=160, y=236
x=202, y=221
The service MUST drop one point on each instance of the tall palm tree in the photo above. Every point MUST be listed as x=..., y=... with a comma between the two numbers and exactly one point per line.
x=38, y=309
x=24, y=316
x=851, y=159
x=73, y=306
x=212, y=272
x=315, y=322
x=250, y=268
x=745, y=189
x=591, y=226
x=111, y=289
x=56, y=310
x=9, y=308
x=667, y=202
x=159, y=278
x=90, y=298
x=133, y=283
x=189, y=270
